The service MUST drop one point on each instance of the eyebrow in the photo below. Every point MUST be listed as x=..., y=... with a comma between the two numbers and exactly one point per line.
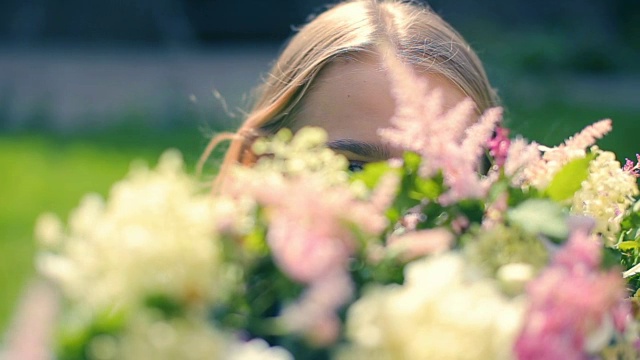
x=361, y=148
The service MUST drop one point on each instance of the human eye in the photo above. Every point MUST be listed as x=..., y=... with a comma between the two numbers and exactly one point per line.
x=356, y=165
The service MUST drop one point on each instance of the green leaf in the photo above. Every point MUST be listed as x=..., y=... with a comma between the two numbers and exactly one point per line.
x=518, y=195
x=411, y=162
x=428, y=188
x=169, y=307
x=610, y=258
x=255, y=242
x=569, y=179
x=472, y=209
x=372, y=173
x=540, y=216
x=77, y=332
x=628, y=245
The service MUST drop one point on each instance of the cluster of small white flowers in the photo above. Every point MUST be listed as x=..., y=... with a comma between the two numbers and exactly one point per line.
x=151, y=336
x=450, y=141
x=304, y=153
x=606, y=194
x=257, y=349
x=439, y=313
x=283, y=159
x=154, y=236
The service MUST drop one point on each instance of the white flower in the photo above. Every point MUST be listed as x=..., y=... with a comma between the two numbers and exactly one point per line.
x=151, y=336
x=302, y=154
x=257, y=349
x=606, y=194
x=439, y=313
x=153, y=236
x=49, y=230
x=514, y=277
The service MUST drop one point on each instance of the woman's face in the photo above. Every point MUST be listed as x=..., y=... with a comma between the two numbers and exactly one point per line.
x=351, y=100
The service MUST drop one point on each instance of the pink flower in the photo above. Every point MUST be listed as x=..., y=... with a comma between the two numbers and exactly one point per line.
x=314, y=314
x=307, y=246
x=313, y=230
x=31, y=335
x=449, y=141
x=631, y=168
x=588, y=136
x=571, y=300
x=419, y=243
x=311, y=226
x=538, y=172
x=499, y=146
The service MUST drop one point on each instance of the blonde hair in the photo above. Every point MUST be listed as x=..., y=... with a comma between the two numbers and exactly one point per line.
x=417, y=35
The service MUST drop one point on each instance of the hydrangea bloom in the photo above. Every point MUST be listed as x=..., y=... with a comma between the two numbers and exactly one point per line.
x=151, y=336
x=155, y=235
x=441, y=312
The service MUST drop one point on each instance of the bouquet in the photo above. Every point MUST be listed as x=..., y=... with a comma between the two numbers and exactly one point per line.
x=474, y=245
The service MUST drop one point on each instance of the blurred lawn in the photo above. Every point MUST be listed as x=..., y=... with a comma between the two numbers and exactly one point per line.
x=44, y=172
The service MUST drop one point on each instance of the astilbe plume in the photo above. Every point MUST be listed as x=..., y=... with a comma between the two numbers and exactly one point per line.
x=451, y=141
x=540, y=172
x=520, y=155
x=574, y=306
x=311, y=239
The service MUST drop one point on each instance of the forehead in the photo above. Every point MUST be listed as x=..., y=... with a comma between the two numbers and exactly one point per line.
x=352, y=100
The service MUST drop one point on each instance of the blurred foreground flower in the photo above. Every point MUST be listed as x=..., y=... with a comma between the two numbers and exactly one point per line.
x=441, y=312
x=575, y=308
x=155, y=235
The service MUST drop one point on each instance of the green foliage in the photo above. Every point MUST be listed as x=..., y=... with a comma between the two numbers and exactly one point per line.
x=629, y=245
x=540, y=216
x=372, y=173
x=414, y=189
x=168, y=307
x=502, y=245
x=253, y=308
x=387, y=271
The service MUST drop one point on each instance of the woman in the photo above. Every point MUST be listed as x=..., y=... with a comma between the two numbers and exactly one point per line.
x=331, y=75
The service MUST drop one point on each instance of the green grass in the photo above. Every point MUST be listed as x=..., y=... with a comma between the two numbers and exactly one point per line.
x=552, y=123
x=44, y=172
